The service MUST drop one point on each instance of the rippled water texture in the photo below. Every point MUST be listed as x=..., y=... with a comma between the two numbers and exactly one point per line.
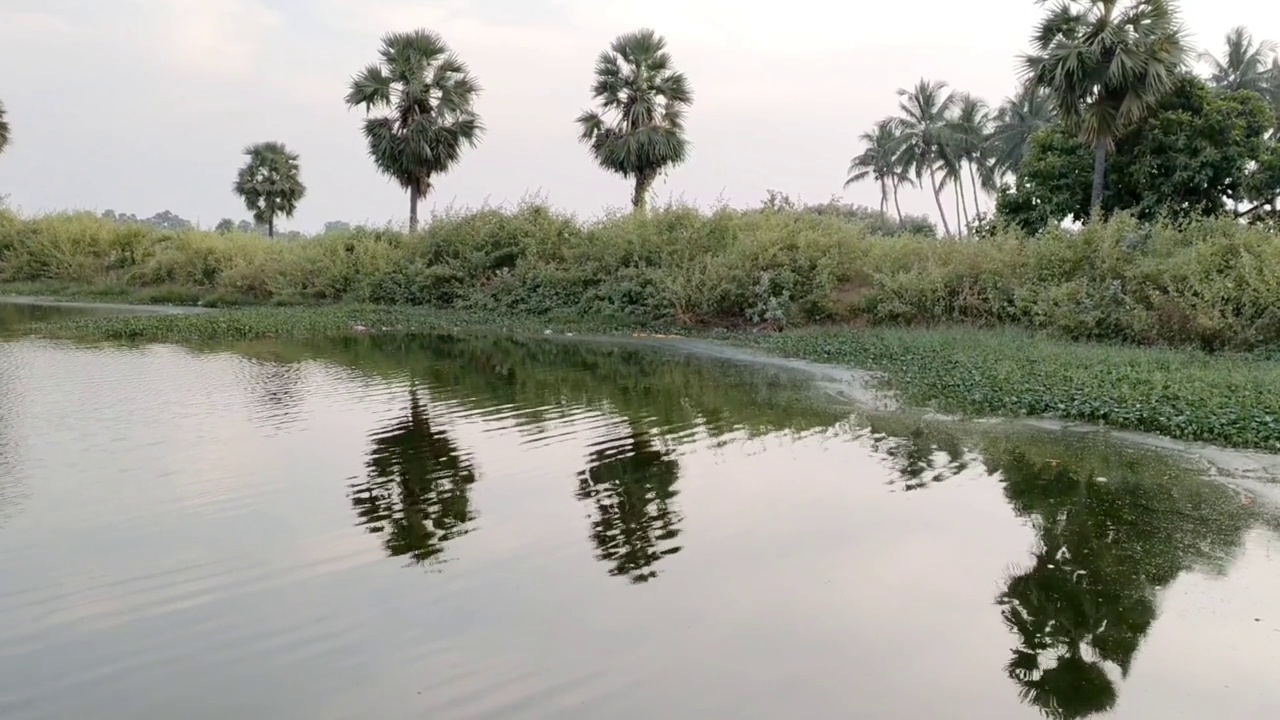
x=498, y=528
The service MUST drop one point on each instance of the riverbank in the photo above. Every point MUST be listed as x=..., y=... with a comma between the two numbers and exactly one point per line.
x=1225, y=399
x=1213, y=284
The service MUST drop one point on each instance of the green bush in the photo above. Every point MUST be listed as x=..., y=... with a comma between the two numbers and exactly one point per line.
x=1212, y=284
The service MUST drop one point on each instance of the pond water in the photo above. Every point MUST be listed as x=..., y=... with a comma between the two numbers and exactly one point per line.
x=486, y=527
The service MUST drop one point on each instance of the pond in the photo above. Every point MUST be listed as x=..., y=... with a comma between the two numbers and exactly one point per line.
x=496, y=527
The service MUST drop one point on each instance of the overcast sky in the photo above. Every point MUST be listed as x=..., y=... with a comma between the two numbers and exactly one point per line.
x=145, y=105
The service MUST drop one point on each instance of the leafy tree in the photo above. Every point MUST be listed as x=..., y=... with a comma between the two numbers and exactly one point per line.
x=1019, y=118
x=429, y=96
x=1106, y=64
x=637, y=130
x=1197, y=151
x=924, y=128
x=225, y=225
x=4, y=129
x=877, y=161
x=269, y=183
x=1245, y=64
x=336, y=226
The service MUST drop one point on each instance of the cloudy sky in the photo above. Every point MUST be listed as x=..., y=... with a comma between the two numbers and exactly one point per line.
x=144, y=105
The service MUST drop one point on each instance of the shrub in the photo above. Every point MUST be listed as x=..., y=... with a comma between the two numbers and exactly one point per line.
x=1212, y=284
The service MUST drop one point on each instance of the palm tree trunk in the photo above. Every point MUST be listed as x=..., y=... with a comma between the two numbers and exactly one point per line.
x=964, y=203
x=897, y=208
x=413, y=209
x=937, y=198
x=1099, y=175
x=973, y=182
x=640, y=198
x=884, y=200
x=271, y=226
x=960, y=224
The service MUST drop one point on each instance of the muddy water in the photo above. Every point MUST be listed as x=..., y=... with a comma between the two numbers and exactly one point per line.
x=479, y=527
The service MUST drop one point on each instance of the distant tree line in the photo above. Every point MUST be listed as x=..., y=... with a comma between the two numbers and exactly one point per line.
x=1107, y=98
x=1109, y=115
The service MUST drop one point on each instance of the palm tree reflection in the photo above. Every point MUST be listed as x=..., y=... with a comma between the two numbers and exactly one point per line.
x=630, y=484
x=416, y=492
x=1105, y=548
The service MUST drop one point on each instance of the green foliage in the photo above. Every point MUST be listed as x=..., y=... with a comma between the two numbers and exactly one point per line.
x=1105, y=65
x=1229, y=400
x=1198, y=151
x=4, y=129
x=1210, y=283
x=429, y=96
x=269, y=184
x=1245, y=64
x=637, y=130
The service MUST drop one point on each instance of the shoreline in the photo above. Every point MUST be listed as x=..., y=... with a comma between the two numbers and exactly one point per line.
x=1167, y=396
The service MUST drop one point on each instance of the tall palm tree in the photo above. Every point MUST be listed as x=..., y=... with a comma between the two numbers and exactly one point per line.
x=1105, y=63
x=877, y=160
x=1018, y=118
x=637, y=128
x=4, y=129
x=951, y=167
x=269, y=183
x=971, y=127
x=924, y=129
x=1245, y=64
x=429, y=95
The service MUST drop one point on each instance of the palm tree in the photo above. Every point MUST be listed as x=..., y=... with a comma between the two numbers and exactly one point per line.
x=4, y=129
x=1105, y=63
x=970, y=128
x=1018, y=119
x=637, y=130
x=924, y=131
x=269, y=183
x=952, y=168
x=877, y=160
x=1245, y=65
x=429, y=96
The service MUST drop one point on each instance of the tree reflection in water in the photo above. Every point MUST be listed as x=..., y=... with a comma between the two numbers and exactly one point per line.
x=1106, y=545
x=630, y=484
x=416, y=492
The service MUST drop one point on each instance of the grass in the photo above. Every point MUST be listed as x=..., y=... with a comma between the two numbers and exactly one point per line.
x=1227, y=399
x=1213, y=284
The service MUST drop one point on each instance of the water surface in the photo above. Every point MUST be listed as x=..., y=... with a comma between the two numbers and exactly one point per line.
x=485, y=527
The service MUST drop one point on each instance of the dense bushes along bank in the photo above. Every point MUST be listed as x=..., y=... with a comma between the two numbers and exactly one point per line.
x=1214, y=284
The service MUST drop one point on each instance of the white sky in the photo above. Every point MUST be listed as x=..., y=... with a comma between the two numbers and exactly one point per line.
x=144, y=105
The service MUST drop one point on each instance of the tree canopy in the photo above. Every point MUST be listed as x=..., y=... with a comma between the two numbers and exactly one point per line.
x=1200, y=152
x=637, y=129
x=429, y=97
x=4, y=129
x=269, y=183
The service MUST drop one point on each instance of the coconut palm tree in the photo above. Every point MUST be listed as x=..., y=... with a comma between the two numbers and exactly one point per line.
x=1105, y=63
x=970, y=128
x=637, y=128
x=951, y=175
x=924, y=128
x=877, y=160
x=1245, y=64
x=429, y=96
x=269, y=183
x=4, y=129
x=1018, y=118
